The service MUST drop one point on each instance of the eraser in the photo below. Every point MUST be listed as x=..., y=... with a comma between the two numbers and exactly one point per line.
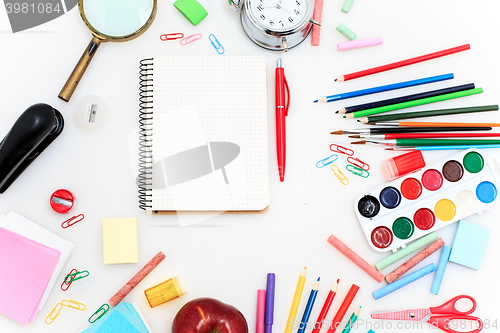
x=192, y=10
x=443, y=262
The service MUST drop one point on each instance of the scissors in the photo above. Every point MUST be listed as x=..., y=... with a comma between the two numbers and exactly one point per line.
x=443, y=315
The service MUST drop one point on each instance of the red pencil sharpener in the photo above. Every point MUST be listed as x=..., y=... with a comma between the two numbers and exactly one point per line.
x=404, y=164
x=62, y=201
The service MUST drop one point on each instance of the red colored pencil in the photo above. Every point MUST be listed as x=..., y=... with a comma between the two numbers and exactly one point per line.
x=326, y=307
x=337, y=320
x=403, y=63
x=425, y=135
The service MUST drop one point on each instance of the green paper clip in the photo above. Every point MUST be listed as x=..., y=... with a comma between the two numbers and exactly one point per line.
x=104, y=308
x=357, y=171
x=76, y=276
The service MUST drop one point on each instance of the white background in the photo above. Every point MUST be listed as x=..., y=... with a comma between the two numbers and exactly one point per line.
x=227, y=257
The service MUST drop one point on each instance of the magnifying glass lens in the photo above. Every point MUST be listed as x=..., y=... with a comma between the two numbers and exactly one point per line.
x=117, y=18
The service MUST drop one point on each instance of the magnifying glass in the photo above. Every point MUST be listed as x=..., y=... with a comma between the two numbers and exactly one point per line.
x=109, y=21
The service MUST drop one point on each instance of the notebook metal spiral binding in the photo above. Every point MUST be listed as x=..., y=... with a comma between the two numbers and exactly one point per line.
x=145, y=126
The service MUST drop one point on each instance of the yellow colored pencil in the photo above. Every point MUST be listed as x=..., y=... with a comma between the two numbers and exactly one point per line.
x=296, y=301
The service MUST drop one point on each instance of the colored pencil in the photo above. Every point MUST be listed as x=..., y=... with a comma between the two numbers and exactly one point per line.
x=402, y=63
x=432, y=124
x=429, y=113
x=296, y=301
x=429, y=142
x=388, y=87
x=407, y=98
x=326, y=307
x=343, y=308
x=423, y=135
x=424, y=148
x=417, y=102
x=383, y=130
x=351, y=321
x=309, y=306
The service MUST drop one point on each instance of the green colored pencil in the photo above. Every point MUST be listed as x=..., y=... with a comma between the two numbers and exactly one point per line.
x=417, y=102
x=429, y=113
x=429, y=142
x=351, y=321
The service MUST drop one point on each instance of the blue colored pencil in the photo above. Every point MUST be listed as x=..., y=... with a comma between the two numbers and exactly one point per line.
x=388, y=87
x=423, y=148
x=309, y=306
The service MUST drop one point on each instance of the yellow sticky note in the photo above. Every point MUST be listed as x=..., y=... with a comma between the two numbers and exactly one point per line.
x=119, y=241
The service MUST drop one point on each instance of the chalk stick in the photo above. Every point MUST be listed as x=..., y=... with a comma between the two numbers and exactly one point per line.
x=347, y=6
x=395, y=274
x=404, y=281
x=346, y=31
x=355, y=258
x=318, y=12
x=354, y=44
x=427, y=239
x=438, y=277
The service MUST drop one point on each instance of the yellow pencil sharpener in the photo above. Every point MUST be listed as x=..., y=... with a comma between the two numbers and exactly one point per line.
x=163, y=292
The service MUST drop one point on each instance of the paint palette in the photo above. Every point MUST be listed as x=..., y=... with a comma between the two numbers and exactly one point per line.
x=432, y=198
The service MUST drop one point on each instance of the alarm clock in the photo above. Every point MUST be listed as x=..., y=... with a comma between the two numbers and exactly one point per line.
x=276, y=25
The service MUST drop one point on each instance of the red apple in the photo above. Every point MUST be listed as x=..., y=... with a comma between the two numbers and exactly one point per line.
x=208, y=315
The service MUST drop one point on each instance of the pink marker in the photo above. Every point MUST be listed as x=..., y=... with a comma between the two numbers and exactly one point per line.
x=359, y=43
x=261, y=305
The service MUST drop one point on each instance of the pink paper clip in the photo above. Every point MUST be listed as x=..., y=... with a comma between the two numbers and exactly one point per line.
x=69, y=283
x=190, y=39
x=357, y=162
x=342, y=150
x=75, y=219
x=166, y=37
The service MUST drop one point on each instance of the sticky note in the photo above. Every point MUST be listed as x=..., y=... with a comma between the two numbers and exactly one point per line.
x=469, y=244
x=119, y=240
x=192, y=10
x=123, y=318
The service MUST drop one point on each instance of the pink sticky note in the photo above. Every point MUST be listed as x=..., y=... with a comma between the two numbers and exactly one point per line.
x=25, y=269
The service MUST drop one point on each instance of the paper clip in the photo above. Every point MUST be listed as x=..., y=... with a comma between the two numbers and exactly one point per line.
x=75, y=219
x=190, y=39
x=104, y=308
x=357, y=171
x=216, y=44
x=339, y=175
x=76, y=276
x=68, y=284
x=79, y=306
x=342, y=150
x=326, y=161
x=84, y=283
x=357, y=162
x=51, y=317
x=165, y=37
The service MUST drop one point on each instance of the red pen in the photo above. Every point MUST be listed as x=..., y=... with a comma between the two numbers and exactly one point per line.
x=281, y=113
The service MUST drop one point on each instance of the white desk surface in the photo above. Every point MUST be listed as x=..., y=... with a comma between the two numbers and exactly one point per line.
x=227, y=257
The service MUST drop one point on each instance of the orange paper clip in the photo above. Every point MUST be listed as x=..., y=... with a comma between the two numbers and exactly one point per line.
x=99, y=313
x=75, y=219
x=64, y=285
x=340, y=176
x=357, y=162
x=177, y=35
x=73, y=304
x=53, y=314
x=339, y=149
x=190, y=39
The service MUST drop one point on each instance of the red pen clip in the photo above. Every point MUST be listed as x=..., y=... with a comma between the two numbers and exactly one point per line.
x=357, y=162
x=287, y=95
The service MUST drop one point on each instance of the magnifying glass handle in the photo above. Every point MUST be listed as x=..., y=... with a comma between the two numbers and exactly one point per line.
x=80, y=68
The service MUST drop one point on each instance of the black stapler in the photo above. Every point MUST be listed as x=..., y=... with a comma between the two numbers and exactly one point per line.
x=33, y=131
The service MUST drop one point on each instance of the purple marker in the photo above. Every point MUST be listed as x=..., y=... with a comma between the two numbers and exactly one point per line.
x=269, y=313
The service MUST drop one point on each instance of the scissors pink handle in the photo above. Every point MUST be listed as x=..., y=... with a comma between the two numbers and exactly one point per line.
x=449, y=308
x=444, y=322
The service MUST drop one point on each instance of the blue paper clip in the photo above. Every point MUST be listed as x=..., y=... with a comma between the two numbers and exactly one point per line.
x=326, y=161
x=218, y=47
x=357, y=171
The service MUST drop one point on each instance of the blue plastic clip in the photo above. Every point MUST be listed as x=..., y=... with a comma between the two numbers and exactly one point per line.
x=326, y=161
x=218, y=47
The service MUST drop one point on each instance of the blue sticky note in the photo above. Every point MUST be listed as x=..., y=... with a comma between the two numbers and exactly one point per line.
x=469, y=244
x=117, y=323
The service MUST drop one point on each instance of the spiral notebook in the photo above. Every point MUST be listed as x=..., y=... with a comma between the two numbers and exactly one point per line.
x=203, y=134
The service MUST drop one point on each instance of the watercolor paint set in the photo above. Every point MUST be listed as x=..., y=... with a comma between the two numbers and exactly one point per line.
x=412, y=206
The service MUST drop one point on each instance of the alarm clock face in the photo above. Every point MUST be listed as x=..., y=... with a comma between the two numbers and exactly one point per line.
x=279, y=15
